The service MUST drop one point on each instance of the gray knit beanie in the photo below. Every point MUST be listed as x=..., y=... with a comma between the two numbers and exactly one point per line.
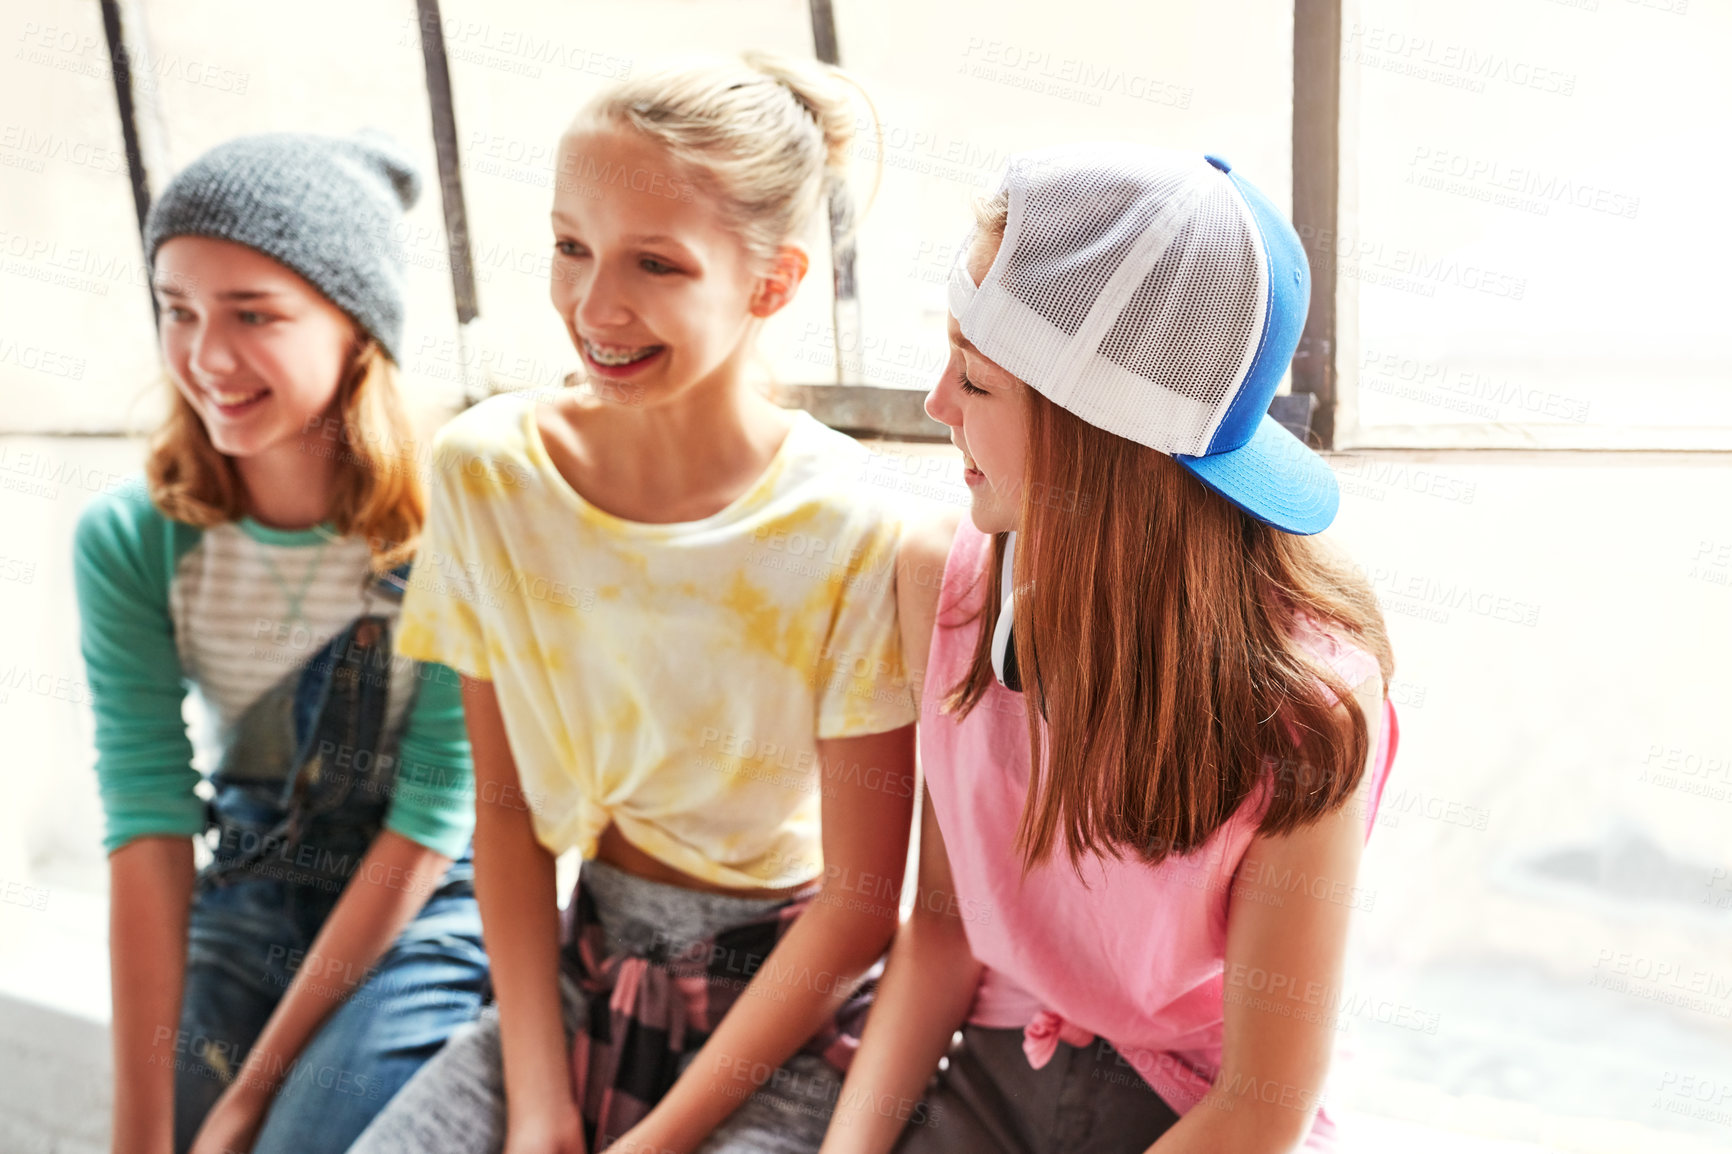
x=330, y=208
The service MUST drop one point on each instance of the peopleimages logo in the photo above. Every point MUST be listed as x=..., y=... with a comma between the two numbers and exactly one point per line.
x=1424, y=596
x=1522, y=186
x=1065, y=77
x=1458, y=389
x=1408, y=269
x=1465, y=66
x=41, y=147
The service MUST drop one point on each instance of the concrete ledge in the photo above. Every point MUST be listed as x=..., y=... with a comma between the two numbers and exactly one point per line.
x=56, y=1073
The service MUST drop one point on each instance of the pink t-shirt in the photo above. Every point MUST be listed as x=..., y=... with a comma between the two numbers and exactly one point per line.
x=1133, y=954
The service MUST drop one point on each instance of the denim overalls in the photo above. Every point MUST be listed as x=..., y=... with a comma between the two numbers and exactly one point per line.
x=302, y=789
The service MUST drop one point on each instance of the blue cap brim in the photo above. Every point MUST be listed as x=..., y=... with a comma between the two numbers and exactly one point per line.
x=1273, y=477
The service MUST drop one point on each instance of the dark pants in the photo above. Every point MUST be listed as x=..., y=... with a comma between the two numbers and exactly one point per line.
x=1086, y=1100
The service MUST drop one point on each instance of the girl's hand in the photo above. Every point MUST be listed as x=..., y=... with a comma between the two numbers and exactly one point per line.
x=234, y=1122
x=559, y=1131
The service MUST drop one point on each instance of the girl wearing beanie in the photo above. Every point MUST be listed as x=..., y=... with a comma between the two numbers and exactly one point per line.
x=276, y=998
x=674, y=614
x=1153, y=723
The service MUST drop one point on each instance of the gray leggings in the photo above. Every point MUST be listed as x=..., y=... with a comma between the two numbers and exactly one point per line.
x=988, y=1100
x=456, y=1103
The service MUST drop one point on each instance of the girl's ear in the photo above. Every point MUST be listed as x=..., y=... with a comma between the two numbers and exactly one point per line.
x=777, y=287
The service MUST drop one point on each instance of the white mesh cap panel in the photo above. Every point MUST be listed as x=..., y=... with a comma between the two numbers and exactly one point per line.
x=1131, y=288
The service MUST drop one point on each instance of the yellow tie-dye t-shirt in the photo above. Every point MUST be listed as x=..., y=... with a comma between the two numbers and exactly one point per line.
x=673, y=679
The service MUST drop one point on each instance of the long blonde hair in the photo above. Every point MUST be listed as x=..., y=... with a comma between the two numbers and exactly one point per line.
x=768, y=136
x=378, y=491
x=1155, y=631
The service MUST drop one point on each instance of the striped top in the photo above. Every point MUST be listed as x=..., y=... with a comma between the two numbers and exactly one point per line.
x=234, y=606
x=225, y=614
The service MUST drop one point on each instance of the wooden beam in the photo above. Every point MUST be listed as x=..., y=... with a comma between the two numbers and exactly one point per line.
x=444, y=116
x=845, y=299
x=443, y=110
x=1316, y=198
x=120, y=59
x=866, y=410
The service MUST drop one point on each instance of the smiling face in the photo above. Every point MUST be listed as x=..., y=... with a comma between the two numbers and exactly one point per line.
x=255, y=350
x=987, y=411
x=656, y=293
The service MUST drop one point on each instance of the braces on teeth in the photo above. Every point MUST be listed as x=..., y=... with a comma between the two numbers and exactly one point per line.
x=619, y=358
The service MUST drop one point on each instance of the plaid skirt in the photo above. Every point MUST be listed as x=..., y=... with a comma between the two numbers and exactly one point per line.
x=655, y=990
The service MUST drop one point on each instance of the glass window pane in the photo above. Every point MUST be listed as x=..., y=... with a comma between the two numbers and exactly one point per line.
x=958, y=95
x=77, y=352
x=1538, y=251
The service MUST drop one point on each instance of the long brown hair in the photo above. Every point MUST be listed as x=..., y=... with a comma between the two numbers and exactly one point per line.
x=378, y=491
x=1154, y=631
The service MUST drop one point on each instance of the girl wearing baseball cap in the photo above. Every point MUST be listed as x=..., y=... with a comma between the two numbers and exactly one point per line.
x=1153, y=727
x=274, y=999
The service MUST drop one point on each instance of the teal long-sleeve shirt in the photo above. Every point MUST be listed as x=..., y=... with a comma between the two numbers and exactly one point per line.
x=154, y=594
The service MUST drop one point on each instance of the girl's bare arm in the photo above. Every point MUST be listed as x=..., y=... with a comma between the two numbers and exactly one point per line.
x=1289, y=946
x=930, y=978
x=150, y=902
x=514, y=886
x=818, y=963
x=928, y=986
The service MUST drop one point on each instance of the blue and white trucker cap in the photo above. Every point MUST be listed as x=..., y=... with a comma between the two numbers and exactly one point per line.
x=1158, y=295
